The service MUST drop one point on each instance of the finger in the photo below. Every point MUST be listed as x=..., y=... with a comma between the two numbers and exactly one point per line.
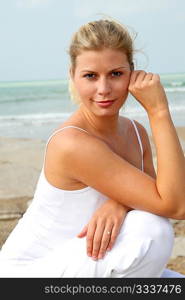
x=97, y=240
x=83, y=232
x=133, y=76
x=156, y=77
x=149, y=76
x=115, y=232
x=140, y=77
x=105, y=241
x=90, y=238
x=136, y=79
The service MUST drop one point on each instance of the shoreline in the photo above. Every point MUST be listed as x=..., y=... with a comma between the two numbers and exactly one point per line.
x=21, y=161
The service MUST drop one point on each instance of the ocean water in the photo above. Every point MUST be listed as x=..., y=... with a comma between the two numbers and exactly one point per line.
x=33, y=109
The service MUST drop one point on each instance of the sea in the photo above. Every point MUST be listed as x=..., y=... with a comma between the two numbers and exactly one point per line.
x=33, y=109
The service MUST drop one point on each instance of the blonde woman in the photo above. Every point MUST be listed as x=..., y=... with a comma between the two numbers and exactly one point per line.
x=99, y=209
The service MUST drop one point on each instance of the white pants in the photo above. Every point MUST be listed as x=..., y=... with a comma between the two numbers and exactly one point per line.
x=142, y=249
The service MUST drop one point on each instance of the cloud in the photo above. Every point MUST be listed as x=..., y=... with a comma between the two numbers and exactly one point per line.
x=31, y=3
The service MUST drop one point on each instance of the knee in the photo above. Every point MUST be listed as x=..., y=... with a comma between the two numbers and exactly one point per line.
x=148, y=225
x=152, y=238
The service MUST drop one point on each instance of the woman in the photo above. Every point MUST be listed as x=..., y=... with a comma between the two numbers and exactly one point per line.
x=98, y=179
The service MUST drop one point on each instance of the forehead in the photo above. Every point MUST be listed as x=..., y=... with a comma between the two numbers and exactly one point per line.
x=107, y=58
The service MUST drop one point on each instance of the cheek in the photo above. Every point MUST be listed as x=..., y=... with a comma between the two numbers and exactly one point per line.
x=122, y=86
x=85, y=89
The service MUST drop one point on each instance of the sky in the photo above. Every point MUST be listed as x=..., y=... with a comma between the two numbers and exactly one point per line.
x=35, y=34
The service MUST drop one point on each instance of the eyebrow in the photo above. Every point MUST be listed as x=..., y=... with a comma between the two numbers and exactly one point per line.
x=108, y=72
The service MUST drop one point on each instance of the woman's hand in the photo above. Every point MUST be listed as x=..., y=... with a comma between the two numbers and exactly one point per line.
x=103, y=228
x=148, y=91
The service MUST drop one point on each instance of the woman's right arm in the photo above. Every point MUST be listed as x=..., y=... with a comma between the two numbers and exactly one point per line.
x=91, y=161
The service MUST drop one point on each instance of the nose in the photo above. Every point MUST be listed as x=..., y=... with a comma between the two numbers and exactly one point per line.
x=103, y=87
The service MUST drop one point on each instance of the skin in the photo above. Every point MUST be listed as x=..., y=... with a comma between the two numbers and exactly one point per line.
x=97, y=79
x=106, y=75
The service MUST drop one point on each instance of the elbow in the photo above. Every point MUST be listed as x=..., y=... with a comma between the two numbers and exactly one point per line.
x=179, y=215
x=174, y=204
x=177, y=211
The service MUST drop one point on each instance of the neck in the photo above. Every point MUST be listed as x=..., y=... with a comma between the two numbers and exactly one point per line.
x=104, y=125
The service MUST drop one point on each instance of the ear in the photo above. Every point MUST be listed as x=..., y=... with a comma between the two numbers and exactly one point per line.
x=132, y=66
x=71, y=73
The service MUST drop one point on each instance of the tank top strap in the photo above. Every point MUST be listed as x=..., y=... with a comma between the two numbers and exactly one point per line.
x=54, y=133
x=60, y=129
x=71, y=126
x=140, y=143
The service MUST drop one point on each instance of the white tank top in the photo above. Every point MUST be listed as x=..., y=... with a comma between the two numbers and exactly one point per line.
x=53, y=217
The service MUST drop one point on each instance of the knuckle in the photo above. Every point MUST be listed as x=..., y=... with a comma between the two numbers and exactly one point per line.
x=89, y=251
x=101, y=219
x=97, y=241
x=89, y=238
x=113, y=237
x=138, y=87
x=96, y=246
x=95, y=251
x=110, y=245
x=102, y=251
x=157, y=78
x=104, y=246
x=144, y=85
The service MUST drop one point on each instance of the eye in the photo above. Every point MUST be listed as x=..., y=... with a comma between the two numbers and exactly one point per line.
x=116, y=74
x=89, y=75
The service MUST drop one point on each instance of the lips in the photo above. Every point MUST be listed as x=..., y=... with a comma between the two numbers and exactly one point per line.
x=105, y=104
x=106, y=101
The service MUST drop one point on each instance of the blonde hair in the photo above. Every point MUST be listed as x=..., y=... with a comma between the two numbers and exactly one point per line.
x=98, y=35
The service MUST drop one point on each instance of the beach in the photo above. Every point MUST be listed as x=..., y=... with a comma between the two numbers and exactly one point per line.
x=21, y=161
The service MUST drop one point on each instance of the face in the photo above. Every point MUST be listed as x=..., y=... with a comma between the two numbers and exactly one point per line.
x=101, y=79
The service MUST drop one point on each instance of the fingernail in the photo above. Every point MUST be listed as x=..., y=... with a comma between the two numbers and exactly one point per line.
x=100, y=256
x=94, y=257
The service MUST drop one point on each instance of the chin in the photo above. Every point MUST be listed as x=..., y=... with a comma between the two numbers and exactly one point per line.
x=105, y=112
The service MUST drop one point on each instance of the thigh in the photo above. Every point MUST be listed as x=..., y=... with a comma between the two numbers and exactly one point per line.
x=137, y=251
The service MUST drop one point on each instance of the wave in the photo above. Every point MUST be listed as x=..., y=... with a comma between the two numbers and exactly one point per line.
x=25, y=99
x=41, y=118
x=175, y=108
x=174, y=89
x=33, y=83
x=35, y=118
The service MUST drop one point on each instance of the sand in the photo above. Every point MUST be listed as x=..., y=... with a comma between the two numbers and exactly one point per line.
x=20, y=165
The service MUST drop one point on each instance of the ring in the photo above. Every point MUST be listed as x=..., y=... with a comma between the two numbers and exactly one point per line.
x=108, y=232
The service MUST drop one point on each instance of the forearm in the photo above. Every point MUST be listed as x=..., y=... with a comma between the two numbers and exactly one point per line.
x=116, y=203
x=170, y=179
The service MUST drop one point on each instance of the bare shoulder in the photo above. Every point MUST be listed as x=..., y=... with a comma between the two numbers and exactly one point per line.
x=66, y=141
x=72, y=142
x=62, y=147
x=70, y=137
